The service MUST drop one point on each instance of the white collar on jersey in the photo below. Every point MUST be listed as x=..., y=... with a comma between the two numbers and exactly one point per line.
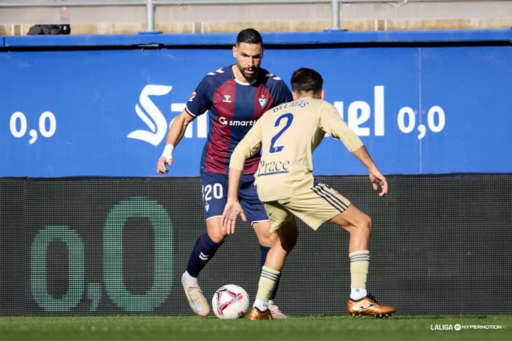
x=246, y=84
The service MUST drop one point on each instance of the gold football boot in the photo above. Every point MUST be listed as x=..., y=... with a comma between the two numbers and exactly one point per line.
x=255, y=314
x=368, y=306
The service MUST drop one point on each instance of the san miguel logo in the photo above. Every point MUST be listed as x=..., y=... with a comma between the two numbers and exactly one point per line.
x=151, y=116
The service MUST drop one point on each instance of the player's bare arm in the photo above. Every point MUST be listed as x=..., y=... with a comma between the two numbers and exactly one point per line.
x=174, y=136
x=376, y=176
x=233, y=207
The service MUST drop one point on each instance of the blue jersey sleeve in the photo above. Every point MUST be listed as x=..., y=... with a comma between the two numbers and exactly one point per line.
x=202, y=98
x=285, y=94
x=281, y=92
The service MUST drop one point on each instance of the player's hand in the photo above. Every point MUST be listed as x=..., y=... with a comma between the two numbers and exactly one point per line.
x=231, y=212
x=161, y=165
x=377, y=179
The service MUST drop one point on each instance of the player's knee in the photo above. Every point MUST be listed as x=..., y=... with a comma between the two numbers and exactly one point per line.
x=218, y=235
x=364, y=225
x=267, y=239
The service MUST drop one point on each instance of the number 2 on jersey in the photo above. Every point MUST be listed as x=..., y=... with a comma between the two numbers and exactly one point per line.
x=289, y=120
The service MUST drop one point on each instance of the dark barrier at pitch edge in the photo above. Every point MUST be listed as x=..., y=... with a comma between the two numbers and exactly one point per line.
x=108, y=246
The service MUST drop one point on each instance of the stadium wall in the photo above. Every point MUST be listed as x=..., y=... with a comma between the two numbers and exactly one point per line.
x=423, y=102
x=107, y=246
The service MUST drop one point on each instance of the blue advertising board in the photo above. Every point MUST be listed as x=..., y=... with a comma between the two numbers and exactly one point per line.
x=91, y=106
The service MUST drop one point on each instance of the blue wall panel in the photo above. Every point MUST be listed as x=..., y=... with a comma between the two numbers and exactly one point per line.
x=353, y=77
x=473, y=84
x=419, y=108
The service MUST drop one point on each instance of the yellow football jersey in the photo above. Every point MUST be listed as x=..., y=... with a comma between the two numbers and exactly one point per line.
x=288, y=134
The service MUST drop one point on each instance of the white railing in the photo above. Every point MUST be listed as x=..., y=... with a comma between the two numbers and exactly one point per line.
x=352, y=9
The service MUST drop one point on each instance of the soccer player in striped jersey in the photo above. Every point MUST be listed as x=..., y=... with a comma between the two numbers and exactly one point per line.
x=235, y=96
x=288, y=134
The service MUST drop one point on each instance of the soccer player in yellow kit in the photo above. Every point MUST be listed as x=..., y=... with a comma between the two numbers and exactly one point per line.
x=288, y=134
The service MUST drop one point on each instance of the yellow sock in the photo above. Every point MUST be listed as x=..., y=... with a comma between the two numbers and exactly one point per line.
x=267, y=283
x=359, y=264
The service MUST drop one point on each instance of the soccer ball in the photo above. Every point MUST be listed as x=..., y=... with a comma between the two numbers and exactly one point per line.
x=230, y=302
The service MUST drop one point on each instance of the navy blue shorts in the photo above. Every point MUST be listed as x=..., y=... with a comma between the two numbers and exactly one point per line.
x=215, y=193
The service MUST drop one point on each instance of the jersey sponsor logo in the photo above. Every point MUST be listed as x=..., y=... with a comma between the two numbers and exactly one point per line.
x=262, y=101
x=192, y=97
x=227, y=99
x=273, y=167
x=152, y=116
x=223, y=121
x=207, y=207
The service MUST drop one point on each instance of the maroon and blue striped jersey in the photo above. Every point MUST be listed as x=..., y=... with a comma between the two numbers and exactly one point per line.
x=233, y=109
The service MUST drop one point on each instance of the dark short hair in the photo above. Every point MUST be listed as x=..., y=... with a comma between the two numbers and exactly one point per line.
x=306, y=80
x=249, y=36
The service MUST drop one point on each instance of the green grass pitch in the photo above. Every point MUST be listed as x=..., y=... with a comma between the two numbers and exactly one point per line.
x=297, y=328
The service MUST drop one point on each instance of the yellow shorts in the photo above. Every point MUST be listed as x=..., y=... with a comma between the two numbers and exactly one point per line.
x=314, y=207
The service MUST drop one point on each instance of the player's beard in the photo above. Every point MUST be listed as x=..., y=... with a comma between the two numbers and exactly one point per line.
x=248, y=76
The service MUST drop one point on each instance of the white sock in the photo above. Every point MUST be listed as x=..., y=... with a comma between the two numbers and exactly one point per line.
x=357, y=293
x=260, y=304
x=188, y=279
x=270, y=302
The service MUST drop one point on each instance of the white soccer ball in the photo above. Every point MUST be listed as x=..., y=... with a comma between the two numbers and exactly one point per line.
x=230, y=302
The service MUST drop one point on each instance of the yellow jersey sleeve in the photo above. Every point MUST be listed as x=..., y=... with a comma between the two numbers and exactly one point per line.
x=332, y=124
